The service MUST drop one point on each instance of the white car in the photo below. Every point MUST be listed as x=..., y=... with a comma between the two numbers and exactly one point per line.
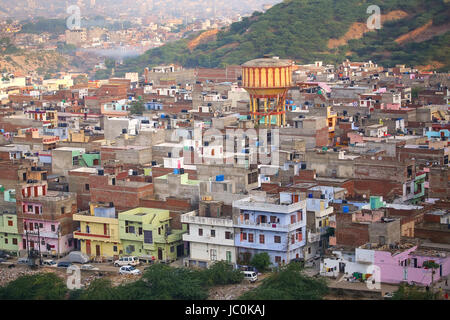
x=89, y=267
x=126, y=261
x=129, y=270
x=49, y=263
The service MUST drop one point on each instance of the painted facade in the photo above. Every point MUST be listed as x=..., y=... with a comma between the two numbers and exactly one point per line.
x=9, y=234
x=146, y=233
x=277, y=229
x=98, y=235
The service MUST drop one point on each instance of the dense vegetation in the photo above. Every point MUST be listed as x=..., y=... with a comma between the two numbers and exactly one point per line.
x=159, y=282
x=289, y=283
x=42, y=286
x=411, y=292
x=301, y=29
x=41, y=25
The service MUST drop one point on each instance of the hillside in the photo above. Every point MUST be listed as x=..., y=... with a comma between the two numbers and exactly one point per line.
x=328, y=30
x=44, y=63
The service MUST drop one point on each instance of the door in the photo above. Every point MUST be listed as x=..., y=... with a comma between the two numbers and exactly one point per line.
x=160, y=254
x=180, y=250
x=341, y=267
x=88, y=247
x=97, y=250
x=229, y=256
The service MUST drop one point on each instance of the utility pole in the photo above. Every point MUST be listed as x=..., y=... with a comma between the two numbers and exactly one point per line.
x=39, y=241
x=26, y=235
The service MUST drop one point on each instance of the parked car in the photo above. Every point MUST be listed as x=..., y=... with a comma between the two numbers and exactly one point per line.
x=388, y=296
x=129, y=270
x=2, y=260
x=64, y=264
x=78, y=257
x=89, y=267
x=250, y=276
x=4, y=255
x=24, y=260
x=49, y=263
x=126, y=261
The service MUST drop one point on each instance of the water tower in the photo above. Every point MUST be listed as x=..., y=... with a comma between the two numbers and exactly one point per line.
x=267, y=80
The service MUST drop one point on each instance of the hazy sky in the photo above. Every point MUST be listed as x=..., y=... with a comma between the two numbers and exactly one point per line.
x=112, y=8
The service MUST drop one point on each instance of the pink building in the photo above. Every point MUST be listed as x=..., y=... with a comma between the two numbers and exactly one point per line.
x=408, y=266
x=46, y=236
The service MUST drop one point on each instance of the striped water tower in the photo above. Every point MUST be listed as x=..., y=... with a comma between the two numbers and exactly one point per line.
x=267, y=81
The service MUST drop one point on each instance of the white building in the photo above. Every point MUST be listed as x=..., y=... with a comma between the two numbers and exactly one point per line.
x=210, y=239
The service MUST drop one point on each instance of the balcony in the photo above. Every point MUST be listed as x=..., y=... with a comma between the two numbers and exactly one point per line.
x=191, y=217
x=313, y=237
x=209, y=240
x=92, y=236
x=270, y=226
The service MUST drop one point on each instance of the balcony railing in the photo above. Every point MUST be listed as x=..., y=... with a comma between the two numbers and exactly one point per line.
x=269, y=226
x=313, y=237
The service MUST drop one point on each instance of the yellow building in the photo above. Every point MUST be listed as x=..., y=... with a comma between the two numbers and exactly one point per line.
x=98, y=235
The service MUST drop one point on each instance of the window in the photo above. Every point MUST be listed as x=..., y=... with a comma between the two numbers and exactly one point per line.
x=261, y=238
x=43, y=242
x=140, y=230
x=41, y=225
x=277, y=239
x=15, y=241
x=278, y=259
x=213, y=253
x=115, y=248
x=273, y=219
x=10, y=223
x=213, y=233
x=246, y=216
x=309, y=250
x=243, y=236
x=86, y=186
x=250, y=237
x=252, y=177
x=172, y=249
x=30, y=208
x=292, y=219
x=88, y=229
x=228, y=235
x=62, y=210
x=131, y=230
x=6, y=240
x=148, y=236
x=200, y=232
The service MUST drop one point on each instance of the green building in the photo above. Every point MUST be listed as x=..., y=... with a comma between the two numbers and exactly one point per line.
x=9, y=234
x=146, y=233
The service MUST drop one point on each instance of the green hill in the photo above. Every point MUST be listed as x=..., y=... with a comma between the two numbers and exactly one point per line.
x=302, y=29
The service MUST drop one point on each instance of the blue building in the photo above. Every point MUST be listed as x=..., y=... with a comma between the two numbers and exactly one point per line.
x=273, y=225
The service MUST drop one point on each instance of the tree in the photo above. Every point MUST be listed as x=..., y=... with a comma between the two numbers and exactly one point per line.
x=289, y=283
x=99, y=289
x=40, y=286
x=161, y=282
x=261, y=261
x=433, y=266
x=137, y=107
x=220, y=273
x=412, y=292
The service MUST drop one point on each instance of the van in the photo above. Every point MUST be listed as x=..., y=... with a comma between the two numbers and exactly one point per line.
x=78, y=257
x=250, y=276
x=126, y=261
